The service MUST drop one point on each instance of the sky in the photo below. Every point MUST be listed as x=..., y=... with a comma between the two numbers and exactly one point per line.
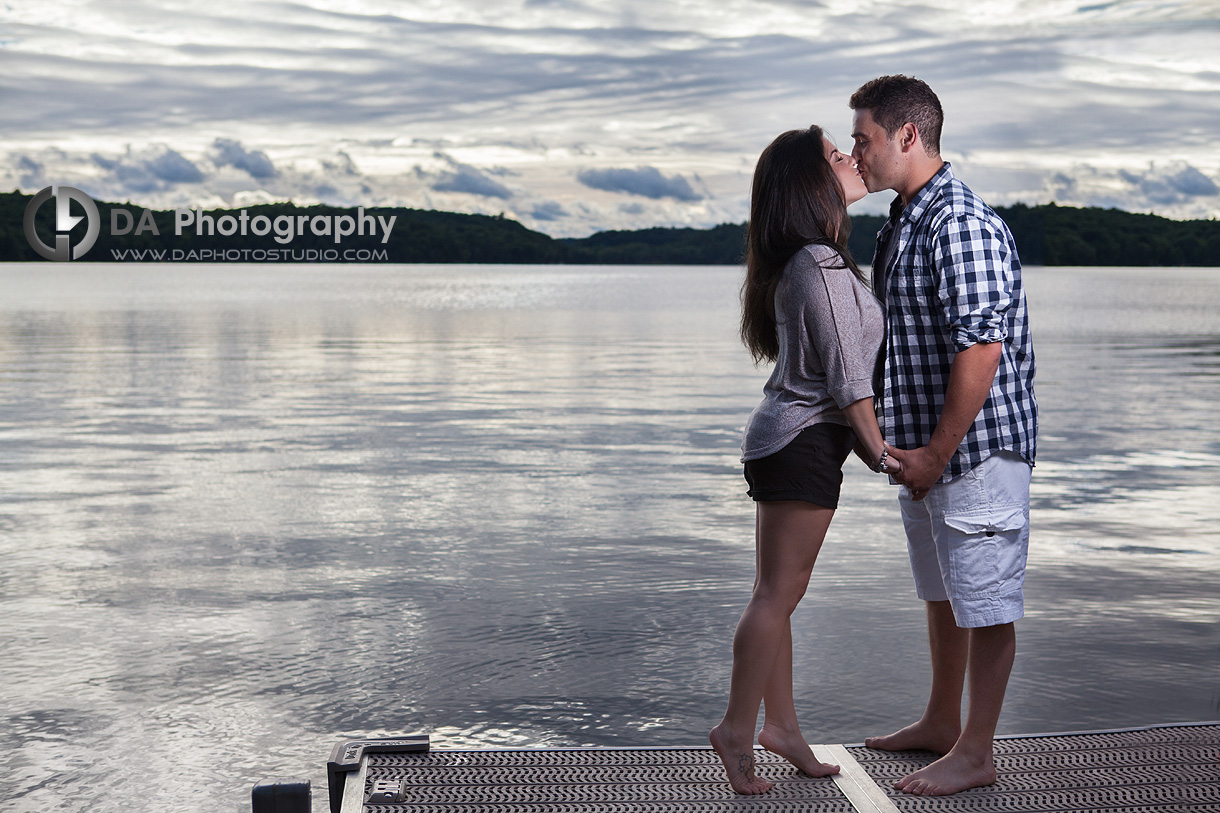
x=576, y=116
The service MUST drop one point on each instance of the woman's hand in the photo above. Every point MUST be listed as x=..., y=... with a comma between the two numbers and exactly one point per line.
x=892, y=464
x=920, y=469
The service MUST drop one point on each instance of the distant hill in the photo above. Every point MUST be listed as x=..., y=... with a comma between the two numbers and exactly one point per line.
x=1045, y=234
x=720, y=245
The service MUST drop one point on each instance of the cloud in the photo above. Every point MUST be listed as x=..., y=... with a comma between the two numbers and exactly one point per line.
x=646, y=182
x=30, y=171
x=471, y=181
x=1193, y=183
x=1063, y=184
x=548, y=211
x=1173, y=189
x=229, y=152
x=1175, y=184
x=150, y=170
x=344, y=165
x=170, y=166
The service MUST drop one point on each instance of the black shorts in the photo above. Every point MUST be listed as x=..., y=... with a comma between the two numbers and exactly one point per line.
x=809, y=468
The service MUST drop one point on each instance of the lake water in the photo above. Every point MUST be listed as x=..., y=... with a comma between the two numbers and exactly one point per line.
x=247, y=511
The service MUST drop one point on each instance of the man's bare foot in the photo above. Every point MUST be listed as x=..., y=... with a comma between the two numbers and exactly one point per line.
x=738, y=760
x=920, y=736
x=951, y=773
x=792, y=747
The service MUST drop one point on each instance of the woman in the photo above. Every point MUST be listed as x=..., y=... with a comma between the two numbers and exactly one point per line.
x=806, y=307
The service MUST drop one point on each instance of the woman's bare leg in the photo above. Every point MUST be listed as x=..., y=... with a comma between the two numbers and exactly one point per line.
x=788, y=536
x=781, y=732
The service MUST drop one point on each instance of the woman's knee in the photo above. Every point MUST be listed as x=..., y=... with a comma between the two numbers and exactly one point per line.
x=781, y=594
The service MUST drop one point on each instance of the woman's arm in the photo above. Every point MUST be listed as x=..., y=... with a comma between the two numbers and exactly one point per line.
x=869, y=443
x=833, y=321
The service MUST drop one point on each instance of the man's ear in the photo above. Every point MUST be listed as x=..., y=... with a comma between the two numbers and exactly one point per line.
x=908, y=136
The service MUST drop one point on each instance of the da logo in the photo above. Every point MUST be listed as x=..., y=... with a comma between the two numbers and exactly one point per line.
x=65, y=222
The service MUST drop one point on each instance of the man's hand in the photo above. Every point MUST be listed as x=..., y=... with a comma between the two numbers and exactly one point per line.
x=921, y=468
x=970, y=379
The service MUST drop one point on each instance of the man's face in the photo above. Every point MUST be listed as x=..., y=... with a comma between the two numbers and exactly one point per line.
x=844, y=169
x=878, y=158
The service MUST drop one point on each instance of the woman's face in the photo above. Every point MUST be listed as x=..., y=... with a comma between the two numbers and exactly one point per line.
x=844, y=167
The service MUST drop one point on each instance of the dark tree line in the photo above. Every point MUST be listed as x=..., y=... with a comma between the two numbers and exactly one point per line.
x=1045, y=235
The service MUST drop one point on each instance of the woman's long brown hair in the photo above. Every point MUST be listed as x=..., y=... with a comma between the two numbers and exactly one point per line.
x=796, y=200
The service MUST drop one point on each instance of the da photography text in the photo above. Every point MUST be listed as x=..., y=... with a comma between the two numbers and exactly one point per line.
x=78, y=224
x=285, y=227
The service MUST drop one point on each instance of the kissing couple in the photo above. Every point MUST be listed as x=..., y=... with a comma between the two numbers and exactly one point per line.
x=924, y=368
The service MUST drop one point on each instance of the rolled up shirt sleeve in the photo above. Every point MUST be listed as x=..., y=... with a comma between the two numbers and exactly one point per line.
x=975, y=280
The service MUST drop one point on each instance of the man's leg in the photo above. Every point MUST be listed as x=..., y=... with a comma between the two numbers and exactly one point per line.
x=969, y=763
x=990, y=507
x=939, y=728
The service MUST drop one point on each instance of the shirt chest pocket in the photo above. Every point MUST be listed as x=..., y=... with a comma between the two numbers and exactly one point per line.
x=913, y=290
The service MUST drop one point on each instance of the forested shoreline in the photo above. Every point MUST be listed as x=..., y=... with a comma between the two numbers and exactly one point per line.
x=1046, y=234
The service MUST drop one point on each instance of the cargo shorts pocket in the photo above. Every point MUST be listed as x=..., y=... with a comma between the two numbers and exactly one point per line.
x=987, y=552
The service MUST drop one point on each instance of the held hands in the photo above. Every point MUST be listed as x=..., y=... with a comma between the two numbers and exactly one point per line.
x=886, y=462
x=917, y=469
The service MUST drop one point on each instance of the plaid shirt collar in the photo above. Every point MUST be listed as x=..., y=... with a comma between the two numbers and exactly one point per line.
x=924, y=198
x=900, y=215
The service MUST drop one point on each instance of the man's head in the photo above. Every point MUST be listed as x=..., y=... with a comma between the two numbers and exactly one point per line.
x=897, y=132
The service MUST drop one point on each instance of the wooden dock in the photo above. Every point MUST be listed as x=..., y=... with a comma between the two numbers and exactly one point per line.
x=1161, y=768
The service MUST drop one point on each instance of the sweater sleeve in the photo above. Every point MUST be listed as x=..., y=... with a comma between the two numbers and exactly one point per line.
x=834, y=324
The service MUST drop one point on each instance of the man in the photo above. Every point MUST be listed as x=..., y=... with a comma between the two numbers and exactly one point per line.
x=956, y=397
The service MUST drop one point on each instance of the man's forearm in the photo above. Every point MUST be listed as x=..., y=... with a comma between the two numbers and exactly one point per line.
x=970, y=380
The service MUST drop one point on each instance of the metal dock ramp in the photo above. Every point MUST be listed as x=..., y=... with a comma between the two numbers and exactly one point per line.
x=1164, y=768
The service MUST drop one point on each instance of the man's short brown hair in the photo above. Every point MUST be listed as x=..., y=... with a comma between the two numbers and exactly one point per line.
x=895, y=100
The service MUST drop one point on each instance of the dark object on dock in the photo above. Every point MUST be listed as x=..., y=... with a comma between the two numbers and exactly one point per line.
x=281, y=796
x=1147, y=770
x=349, y=756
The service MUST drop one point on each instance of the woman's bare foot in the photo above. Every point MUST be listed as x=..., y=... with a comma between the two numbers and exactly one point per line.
x=951, y=773
x=920, y=736
x=738, y=760
x=792, y=747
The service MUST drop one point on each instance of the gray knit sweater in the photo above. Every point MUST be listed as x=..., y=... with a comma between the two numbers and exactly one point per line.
x=830, y=330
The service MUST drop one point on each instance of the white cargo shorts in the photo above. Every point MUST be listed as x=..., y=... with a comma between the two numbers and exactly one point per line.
x=968, y=541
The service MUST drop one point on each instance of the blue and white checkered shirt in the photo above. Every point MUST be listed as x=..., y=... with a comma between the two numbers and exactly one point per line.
x=953, y=280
